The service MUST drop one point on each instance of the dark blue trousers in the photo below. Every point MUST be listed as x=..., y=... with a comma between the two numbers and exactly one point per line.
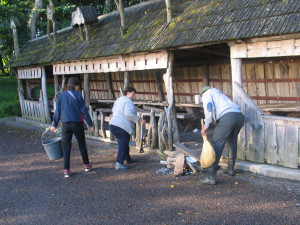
x=123, y=143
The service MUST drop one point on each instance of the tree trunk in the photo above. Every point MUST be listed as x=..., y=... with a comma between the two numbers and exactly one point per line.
x=16, y=42
x=173, y=131
x=120, y=6
x=169, y=10
x=34, y=17
x=108, y=6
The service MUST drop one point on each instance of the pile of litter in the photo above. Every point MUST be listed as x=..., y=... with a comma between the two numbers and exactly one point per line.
x=164, y=171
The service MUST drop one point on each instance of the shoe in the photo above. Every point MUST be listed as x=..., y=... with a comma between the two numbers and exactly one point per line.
x=131, y=161
x=210, y=176
x=120, y=166
x=230, y=168
x=87, y=167
x=67, y=173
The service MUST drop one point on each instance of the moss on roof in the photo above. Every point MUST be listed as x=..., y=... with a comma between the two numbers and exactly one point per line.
x=194, y=22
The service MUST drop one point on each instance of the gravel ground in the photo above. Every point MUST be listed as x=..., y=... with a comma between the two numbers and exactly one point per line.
x=34, y=191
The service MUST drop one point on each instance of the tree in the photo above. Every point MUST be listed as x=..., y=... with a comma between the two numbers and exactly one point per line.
x=34, y=16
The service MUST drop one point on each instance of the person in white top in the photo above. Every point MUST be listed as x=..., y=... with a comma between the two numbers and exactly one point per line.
x=229, y=119
x=121, y=125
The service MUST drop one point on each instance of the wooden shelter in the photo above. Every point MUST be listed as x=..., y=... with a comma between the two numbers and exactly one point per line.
x=249, y=49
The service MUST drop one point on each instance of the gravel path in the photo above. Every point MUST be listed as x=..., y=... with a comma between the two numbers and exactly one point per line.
x=34, y=191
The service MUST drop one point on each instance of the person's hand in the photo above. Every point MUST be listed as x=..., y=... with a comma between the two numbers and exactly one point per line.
x=52, y=128
x=142, y=121
x=91, y=130
x=204, y=130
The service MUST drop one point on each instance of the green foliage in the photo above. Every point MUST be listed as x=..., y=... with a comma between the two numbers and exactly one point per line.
x=35, y=92
x=9, y=100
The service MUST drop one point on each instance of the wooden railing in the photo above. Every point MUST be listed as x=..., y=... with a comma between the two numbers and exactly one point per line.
x=33, y=110
x=267, y=139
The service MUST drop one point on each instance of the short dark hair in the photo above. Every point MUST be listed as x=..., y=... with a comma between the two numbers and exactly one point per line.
x=129, y=89
x=72, y=82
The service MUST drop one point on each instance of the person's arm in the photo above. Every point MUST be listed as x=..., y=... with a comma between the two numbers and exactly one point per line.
x=130, y=113
x=85, y=111
x=57, y=112
x=208, y=111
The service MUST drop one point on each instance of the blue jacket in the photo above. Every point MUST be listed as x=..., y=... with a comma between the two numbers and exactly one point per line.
x=69, y=110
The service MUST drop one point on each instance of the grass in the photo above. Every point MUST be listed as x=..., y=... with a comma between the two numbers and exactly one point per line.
x=9, y=100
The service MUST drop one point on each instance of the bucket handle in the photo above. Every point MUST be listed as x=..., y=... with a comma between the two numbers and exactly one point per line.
x=48, y=129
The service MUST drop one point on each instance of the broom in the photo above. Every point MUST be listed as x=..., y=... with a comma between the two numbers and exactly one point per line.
x=208, y=155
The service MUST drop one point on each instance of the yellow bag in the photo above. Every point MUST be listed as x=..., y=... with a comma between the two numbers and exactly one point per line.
x=208, y=155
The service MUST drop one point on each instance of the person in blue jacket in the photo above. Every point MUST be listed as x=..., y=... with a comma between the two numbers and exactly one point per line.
x=229, y=119
x=71, y=110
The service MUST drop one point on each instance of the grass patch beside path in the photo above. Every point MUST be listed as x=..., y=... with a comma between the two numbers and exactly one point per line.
x=9, y=100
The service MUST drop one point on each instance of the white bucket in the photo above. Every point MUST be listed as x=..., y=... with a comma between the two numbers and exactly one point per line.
x=197, y=99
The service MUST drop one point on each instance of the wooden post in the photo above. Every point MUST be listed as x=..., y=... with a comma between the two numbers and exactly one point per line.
x=169, y=10
x=204, y=76
x=21, y=95
x=87, y=89
x=86, y=30
x=109, y=86
x=161, y=120
x=63, y=83
x=96, y=123
x=56, y=88
x=111, y=135
x=236, y=71
x=102, y=121
x=154, y=130
x=126, y=79
x=42, y=108
x=45, y=96
x=14, y=24
x=171, y=112
x=158, y=86
x=138, y=133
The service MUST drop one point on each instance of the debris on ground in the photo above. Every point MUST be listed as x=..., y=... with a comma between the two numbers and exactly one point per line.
x=164, y=171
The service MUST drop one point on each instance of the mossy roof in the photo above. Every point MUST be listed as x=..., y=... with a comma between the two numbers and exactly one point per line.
x=194, y=22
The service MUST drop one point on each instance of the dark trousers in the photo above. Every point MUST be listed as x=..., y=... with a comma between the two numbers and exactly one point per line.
x=227, y=130
x=68, y=129
x=123, y=143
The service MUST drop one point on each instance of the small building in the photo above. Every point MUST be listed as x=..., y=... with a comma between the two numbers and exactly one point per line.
x=249, y=49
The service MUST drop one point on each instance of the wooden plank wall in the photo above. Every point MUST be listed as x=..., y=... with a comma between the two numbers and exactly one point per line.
x=265, y=82
x=270, y=139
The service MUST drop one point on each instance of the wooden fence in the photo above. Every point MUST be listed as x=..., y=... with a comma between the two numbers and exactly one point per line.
x=267, y=139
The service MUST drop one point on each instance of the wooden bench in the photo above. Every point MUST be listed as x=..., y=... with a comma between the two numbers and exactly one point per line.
x=181, y=151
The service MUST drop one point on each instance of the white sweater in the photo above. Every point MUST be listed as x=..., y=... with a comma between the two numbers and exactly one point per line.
x=124, y=114
x=214, y=102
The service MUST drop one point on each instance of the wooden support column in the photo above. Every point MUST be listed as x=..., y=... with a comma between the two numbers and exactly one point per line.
x=161, y=138
x=56, y=88
x=96, y=123
x=87, y=89
x=109, y=86
x=236, y=70
x=173, y=132
x=126, y=79
x=102, y=121
x=204, y=76
x=45, y=96
x=158, y=86
x=21, y=95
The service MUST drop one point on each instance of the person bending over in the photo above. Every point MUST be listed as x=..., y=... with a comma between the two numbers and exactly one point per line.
x=229, y=119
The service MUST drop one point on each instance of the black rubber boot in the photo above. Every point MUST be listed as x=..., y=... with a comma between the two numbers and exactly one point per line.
x=210, y=176
x=230, y=168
